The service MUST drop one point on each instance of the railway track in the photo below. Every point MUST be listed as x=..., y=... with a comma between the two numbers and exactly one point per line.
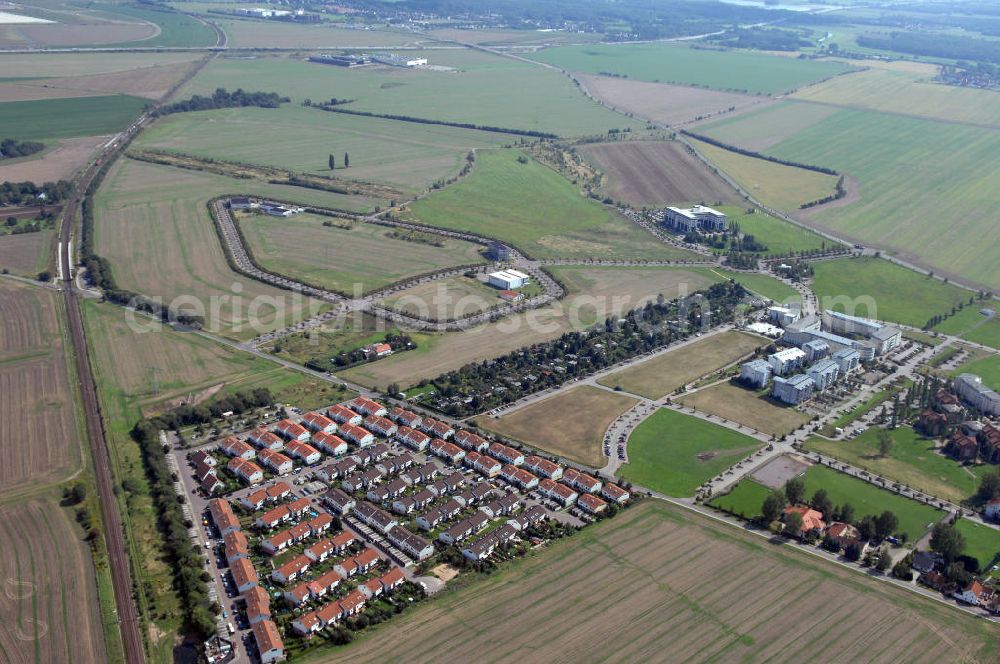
x=118, y=559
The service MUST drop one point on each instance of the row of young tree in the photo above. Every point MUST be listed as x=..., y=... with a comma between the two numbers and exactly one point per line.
x=758, y=155
x=190, y=577
x=222, y=98
x=11, y=148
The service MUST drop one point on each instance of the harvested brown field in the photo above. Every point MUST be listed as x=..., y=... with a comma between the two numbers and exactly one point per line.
x=26, y=254
x=570, y=424
x=39, y=439
x=86, y=34
x=657, y=173
x=660, y=583
x=36, y=90
x=657, y=377
x=49, y=606
x=87, y=64
x=151, y=82
x=59, y=163
x=663, y=103
x=746, y=407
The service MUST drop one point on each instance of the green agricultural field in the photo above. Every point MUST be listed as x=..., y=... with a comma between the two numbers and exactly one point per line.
x=250, y=33
x=987, y=368
x=737, y=71
x=50, y=119
x=914, y=518
x=879, y=289
x=981, y=543
x=356, y=257
x=915, y=176
x=745, y=499
x=970, y=324
x=907, y=93
x=518, y=200
x=153, y=225
x=412, y=156
x=175, y=29
x=674, y=453
x=775, y=185
x=479, y=92
x=913, y=461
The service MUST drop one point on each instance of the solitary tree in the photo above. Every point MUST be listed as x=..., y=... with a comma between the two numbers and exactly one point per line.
x=866, y=527
x=946, y=540
x=331, y=162
x=795, y=490
x=773, y=506
x=847, y=513
x=884, y=561
x=822, y=503
x=793, y=524
x=884, y=442
x=885, y=524
x=347, y=160
x=989, y=486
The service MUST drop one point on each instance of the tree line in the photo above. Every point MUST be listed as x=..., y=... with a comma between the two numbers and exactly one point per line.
x=11, y=148
x=222, y=98
x=758, y=155
x=190, y=577
x=29, y=193
x=445, y=123
x=473, y=387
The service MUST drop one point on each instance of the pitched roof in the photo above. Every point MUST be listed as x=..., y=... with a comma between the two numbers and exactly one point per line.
x=267, y=636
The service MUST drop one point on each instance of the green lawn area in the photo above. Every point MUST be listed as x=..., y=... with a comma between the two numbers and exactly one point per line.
x=974, y=326
x=987, y=368
x=981, y=542
x=664, y=452
x=176, y=29
x=745, y=499
x=915, y=177
x=50, y=119
x=879, y=289
x=536, y=209
x=412, y=156
x=913, y=460
x=780, y=237
x=914, y=517
x=737, y=71
x=480, y=90
x=363, y=257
